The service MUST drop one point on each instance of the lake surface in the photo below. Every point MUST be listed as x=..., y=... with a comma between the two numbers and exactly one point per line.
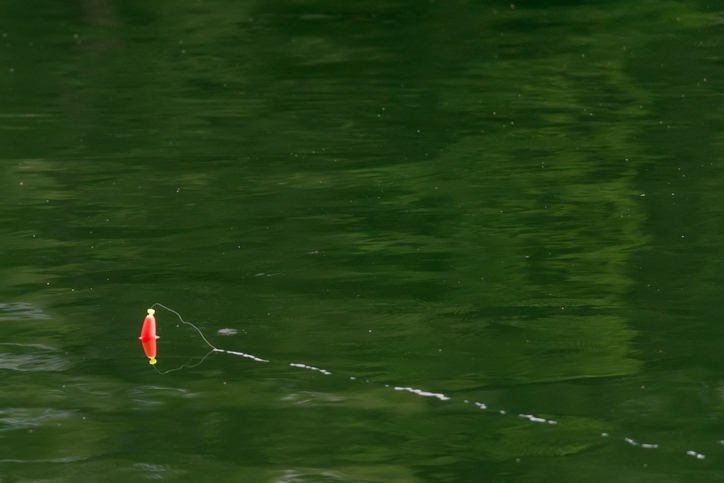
x=463, y=241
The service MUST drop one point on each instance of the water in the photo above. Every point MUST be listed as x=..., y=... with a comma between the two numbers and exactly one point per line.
x=496, y=227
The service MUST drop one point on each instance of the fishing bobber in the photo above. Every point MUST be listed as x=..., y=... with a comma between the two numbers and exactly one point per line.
x=148, y=336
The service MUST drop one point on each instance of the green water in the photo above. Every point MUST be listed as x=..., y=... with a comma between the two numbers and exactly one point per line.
x=512, y=214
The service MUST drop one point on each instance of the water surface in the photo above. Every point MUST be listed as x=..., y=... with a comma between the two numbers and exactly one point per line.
x=474, y=241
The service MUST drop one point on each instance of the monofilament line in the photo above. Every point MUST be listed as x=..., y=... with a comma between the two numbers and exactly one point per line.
x=187, y=365
x=188, y=323
x=419, y=392
x=213, y=348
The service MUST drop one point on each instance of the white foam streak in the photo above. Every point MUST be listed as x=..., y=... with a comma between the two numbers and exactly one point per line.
x=311, y=368
x=420, y=392
x=245, y=355
x=643, y=445
x=533, y=418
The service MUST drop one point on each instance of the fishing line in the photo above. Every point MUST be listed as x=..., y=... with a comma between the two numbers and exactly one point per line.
x=149, y=334
x=213, y=347
x=187, y=323
x=148, y=338
x=187, y=365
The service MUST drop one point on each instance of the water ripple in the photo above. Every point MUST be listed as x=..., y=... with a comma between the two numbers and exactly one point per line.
x=21, y=311
x=31, y=358
x=20, y=418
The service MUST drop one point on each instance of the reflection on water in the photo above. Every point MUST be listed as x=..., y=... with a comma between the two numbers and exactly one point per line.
x=145, y=396
x=462, y=241
x=376, y=473
x=21, y=418
x=31, y=357
x=21, y=311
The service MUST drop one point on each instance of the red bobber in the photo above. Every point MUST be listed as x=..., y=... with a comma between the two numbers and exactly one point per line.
x=148, y=336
